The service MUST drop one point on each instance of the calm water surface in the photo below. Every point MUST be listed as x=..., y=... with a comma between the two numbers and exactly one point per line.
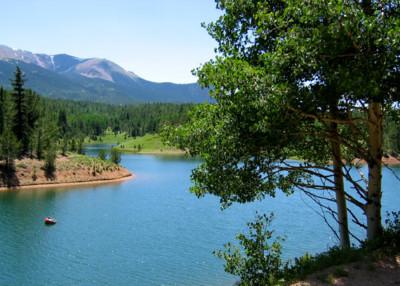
x=147, y=231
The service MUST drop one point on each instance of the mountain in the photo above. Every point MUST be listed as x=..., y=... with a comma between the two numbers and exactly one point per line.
x=100, y=80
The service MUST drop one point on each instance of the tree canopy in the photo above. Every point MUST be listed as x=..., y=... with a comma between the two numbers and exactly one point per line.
x=310, y=80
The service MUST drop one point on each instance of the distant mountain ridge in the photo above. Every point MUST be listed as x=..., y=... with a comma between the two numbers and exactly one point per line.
x=93, y=79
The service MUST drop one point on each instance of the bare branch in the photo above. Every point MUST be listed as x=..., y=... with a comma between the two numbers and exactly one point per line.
x=355, y=219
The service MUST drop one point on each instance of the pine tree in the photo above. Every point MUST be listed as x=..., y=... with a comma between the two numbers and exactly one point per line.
x=9, y=145
x=73, y=145
x=21, y=119
x=39, y=144
x=32, y=111
x=80, y=149
x=26, y=104
x=63, y=130
x=50, y=161
x=40, y=134
x=102, y=155
x=2, y=95
x=115, y=156
x=63, y=123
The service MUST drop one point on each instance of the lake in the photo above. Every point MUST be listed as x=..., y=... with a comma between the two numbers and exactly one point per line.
x=146, y=231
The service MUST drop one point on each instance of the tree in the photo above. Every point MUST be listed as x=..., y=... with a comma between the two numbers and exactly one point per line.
x=80, y=149
x=26, y=112
x=33, y=115
x=290, y=81
x=256, y=261
x=115, y=156
x=331, y=48
x=9, y=145
x=2, y=98
x=21, y=106
x=102, y=155
x=73, y=145
x=63, y=130
x=63, y=123
x=40, y=135
x=50, y=161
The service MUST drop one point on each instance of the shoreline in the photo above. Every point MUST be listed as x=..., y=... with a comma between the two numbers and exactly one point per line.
x=388, y=161
x=68, y=184
x=152, y=152
x=71, y=170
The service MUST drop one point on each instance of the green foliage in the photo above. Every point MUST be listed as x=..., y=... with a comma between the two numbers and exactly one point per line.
x=9, y=144
x=392, y=133
x=340, y=272
x=115, y=156
x=387, y=244
x=256, y=261
x=393, y=222
x=39, y=123
x=63, y=123
x=34, y=174
x=80, y=149
x=73, y=146
x=290, y=81
x=9, y=149
x=50, y=162
x=26, y=112
x=2, y=98
x=308, y=264
x=102, y=155
x=64, y=146
x=390, y=239
x=93, y=119
x=151, y=143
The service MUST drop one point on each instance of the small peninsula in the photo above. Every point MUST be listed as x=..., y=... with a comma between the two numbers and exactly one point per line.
x=73, y=169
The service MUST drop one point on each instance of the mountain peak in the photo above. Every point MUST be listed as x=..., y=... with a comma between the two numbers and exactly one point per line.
x=92, y=68
x=102, y=69
x=92, y=79
x=41, y=60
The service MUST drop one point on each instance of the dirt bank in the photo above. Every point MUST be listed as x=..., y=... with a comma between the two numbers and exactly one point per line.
x=70, y=171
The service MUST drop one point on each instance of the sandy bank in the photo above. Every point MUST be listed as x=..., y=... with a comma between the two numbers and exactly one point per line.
x=386, y=161
x=73, y=184
x=71, y=171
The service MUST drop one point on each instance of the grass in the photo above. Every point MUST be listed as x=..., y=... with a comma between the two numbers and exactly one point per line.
x=144, y=144
x=79, y=162
x=385, y=246
x=108, y=137
x=335, y=256
x=147, y=144
x=340, y=272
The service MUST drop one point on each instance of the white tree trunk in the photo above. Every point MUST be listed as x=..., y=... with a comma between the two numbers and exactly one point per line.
x=375, y=142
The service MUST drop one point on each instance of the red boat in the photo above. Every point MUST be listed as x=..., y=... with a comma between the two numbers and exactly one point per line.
x=50, y=220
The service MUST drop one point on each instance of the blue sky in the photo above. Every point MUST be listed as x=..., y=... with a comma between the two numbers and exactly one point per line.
x=160, y=40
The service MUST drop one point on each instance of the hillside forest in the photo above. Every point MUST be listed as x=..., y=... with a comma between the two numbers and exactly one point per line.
x=32, y=125
x=38, y=127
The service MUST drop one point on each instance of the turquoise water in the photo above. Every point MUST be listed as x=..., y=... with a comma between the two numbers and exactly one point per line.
x=146, y=231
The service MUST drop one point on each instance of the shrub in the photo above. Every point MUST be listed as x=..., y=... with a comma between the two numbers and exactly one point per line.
x=308, y=264
x=115, y=156
x=102, y=155
x=80, y=147
x=50, y=162
x=391, y=234
x=256, y=261
x=34, y=174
